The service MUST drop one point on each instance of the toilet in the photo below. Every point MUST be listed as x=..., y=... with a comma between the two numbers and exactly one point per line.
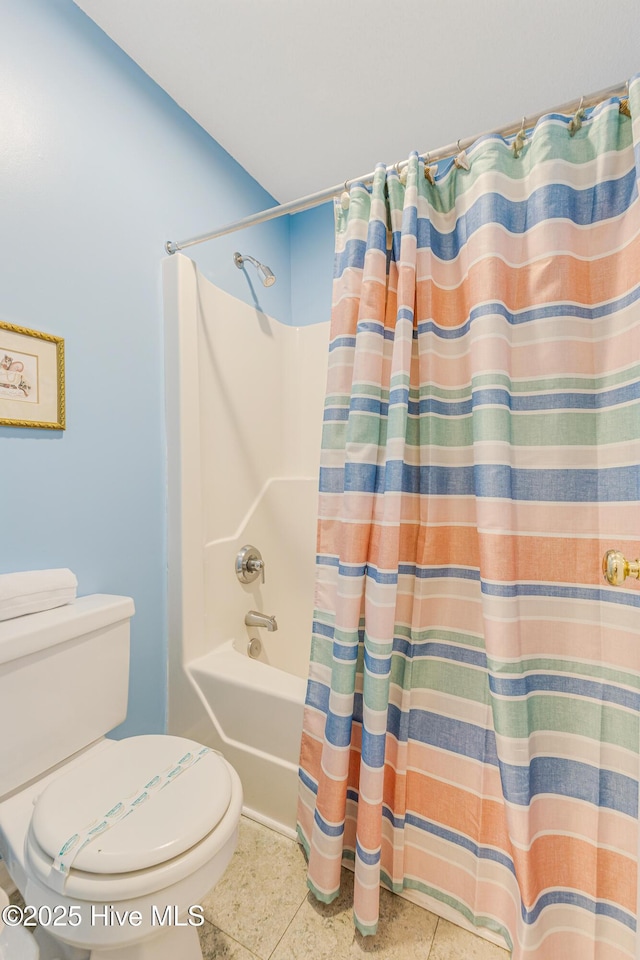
x=15, y=942
x=112, y=843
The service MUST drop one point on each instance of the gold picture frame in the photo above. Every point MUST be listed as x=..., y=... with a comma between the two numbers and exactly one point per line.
x=31, y=378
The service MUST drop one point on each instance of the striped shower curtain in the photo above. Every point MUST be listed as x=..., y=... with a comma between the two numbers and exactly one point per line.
x=471, y=732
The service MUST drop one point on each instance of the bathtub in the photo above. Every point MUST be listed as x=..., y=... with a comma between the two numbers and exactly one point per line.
x=256, y=709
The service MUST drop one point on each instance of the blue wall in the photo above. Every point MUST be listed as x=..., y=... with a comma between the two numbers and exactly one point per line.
x=312, y=243
x=98, y=167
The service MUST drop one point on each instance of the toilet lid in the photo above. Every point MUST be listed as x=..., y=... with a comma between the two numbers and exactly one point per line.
x=166, y=824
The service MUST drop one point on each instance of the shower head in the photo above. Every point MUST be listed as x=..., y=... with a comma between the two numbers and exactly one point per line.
x=266, y=275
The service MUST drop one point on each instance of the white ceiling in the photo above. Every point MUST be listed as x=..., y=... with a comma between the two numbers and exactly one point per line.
x=307, y=93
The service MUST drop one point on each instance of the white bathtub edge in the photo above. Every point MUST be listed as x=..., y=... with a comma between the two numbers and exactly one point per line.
x=272, y=824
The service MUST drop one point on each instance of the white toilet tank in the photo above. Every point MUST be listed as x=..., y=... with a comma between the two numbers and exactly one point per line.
x=64, y=677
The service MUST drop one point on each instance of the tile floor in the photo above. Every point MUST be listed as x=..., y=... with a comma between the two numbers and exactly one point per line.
x=262, y=910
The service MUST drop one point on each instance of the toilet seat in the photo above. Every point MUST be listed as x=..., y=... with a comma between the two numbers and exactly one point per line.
x=161, y=841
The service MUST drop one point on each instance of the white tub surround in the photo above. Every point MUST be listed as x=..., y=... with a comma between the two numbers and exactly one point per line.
x=244, y=417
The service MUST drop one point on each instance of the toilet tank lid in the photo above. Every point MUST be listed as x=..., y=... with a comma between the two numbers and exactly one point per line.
x=37, y=631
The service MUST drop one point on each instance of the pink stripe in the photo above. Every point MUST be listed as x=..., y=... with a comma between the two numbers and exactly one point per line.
x=536, y=243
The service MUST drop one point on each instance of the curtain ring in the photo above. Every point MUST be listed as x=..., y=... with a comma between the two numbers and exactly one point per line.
x=624, y=102
x=576, y=122
x=345, y=197
x=519, y=140
x=429, y=171
x=461, y=161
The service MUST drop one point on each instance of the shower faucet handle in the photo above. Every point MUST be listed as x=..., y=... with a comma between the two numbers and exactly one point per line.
x=249, y=564
x=255, y=566
x=616, y=568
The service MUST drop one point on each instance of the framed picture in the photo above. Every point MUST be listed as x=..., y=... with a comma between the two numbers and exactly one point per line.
x=31, y=378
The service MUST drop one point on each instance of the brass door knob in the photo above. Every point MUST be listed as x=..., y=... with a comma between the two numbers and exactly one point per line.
x=616, y=567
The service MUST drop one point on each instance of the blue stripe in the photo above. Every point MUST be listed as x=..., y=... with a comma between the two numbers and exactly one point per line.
x=399, y=396
x=555, y=775
x=613, y=484
x=554, y=401
x=603, y=201
x=457, y=736
x=317, y=696
x=549, y=312
x=376, y=236
x=357, y=708
x=337, y=730
x=368, y=405
x=373, y=749
x=335, y=414
x=328, y=829
x=351, y=257
x=494, y=397
x=569, y=778
x=496, y=308
x=518, y=403
x=591, y=205
x=351, y=569
x=404, y=313
x=410, y=220
x=601, y=908
x=369, y=570
x=369, y=858
x=604, y=595
x=419, y=649
x=490, y=588
x=375, y=326
x=567, y=684
x=308, y=782
x=377, y=666
x=345, y=652
x=340, y=342
x=460, y=840
x=428, y=573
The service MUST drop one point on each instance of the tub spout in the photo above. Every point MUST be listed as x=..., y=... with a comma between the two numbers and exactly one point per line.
x=256, y=619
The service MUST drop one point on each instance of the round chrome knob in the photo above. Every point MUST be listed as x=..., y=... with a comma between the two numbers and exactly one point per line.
x=249, y=564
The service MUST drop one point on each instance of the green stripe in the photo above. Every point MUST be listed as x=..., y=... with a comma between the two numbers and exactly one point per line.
x=518, y=719
x=552, y=384
x=440, y=636
x=410, y=883
x=609, y=132
x=594, y=671
x=454, y=679
x=531, y=429
x=465, y=391
x=321, y=650
x=478, y=920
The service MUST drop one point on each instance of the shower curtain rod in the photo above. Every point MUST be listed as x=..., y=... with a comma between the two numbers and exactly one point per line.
x=315, y=199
